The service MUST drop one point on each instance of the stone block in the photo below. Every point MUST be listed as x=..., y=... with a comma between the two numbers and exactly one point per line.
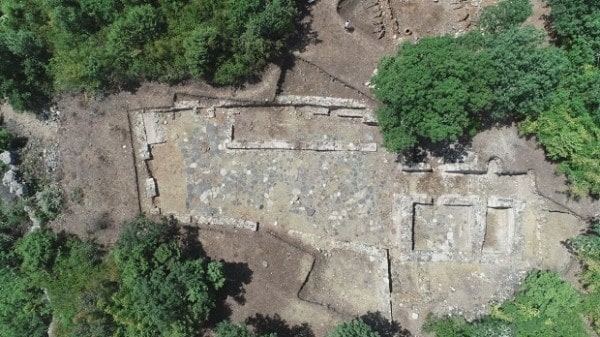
x=417, y=167
x=151, y=190
x=349, y=113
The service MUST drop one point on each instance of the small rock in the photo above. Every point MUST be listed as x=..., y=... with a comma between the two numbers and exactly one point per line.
x=414, y=316
x=210, y=112
x=264, y=264
x=310, y=211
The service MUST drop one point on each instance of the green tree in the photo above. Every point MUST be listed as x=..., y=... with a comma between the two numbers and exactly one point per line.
x=444, y=84
x=97, y=46
x=576, y=25
x=6, y=140
x=527, y=74
x=79, y=269
x=161, y=290
x=571, y=135
x=201, y=50
x=450, y=87
x=38, y=251
x=24, y=311
x=546, y=306
x=459, y=327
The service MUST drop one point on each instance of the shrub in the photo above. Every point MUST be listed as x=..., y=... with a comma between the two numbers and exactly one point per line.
x=49, y=203
x=506, y=14
x=353, y=328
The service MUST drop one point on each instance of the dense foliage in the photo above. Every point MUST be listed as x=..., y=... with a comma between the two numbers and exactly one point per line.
x=24, y=310
x=428, y=94
x=444, y=88
x=546, y=306
x=149, y=285
x=93, y=45
x=161, y=291
x=587, y=248
x=570, y=128
x=576, y=27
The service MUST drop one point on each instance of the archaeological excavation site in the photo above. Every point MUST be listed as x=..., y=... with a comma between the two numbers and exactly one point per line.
x=362, y=231
x=288, y=181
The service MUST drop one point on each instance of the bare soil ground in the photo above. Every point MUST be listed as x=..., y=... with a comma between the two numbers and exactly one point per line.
x=96, y=158
x=274, y=123
x=266, y=273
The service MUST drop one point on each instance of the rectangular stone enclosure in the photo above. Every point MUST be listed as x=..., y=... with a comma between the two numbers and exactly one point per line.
x=442, y=228
x=499, y=226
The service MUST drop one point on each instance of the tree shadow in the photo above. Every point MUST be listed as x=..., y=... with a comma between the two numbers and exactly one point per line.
x=383, y=326
x=237, y=275
x=305, y=35
x=287, y=62
x=450, y=152
x=191, y=245
x=412, y=156
x=265, y=324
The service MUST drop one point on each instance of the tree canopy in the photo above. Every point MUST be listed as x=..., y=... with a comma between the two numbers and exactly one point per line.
x=98, y=45
x=148, y=285
x=161, y=291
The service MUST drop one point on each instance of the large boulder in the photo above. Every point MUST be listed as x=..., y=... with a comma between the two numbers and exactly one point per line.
x=16, y=187
x=8, y=158
x=10, y=177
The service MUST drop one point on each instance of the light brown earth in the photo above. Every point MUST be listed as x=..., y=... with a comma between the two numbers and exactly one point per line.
x=336, y=236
